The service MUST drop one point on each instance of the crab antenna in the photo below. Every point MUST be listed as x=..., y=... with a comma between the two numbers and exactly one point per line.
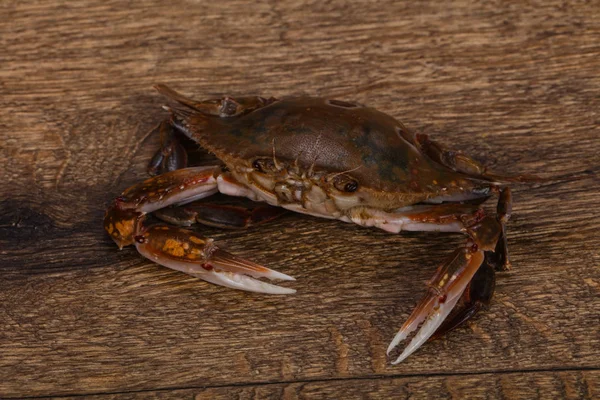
x=296, y=162
x=312, y=166
x=333, y=175
x=274, y=158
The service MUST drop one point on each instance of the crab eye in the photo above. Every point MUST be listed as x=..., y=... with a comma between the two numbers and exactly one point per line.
x=264, y=165
x=345, y=184
x=351, y=186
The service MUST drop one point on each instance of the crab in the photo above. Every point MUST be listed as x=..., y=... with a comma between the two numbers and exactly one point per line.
x=326, y=158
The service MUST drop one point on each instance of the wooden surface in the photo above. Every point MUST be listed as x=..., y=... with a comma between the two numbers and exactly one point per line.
x=517, y=86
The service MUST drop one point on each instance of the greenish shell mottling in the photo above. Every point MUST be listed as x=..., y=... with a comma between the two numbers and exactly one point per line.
x=335, y=136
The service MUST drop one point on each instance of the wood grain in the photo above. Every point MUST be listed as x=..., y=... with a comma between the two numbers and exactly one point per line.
x=514, y=85
x=512, y=385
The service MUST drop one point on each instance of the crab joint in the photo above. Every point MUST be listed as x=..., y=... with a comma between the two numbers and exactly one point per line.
x=121, y=224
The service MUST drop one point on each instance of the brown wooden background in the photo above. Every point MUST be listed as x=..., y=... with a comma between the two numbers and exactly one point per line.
x=516, y=85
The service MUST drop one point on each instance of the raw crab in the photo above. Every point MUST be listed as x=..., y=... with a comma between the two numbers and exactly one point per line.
x=326, y=158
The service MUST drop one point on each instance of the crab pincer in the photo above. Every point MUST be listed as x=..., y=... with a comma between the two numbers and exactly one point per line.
x=484, y=252
x=183, y=249
x=444, y=292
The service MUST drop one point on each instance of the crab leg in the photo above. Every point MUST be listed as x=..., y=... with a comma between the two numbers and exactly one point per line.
x=438, y=311
x=459, y=162
x=125, y=215
x=439, y=218
x=183, y=249
x=444, y=291
x=480, y=290
x=171, y=155
x=219, y=216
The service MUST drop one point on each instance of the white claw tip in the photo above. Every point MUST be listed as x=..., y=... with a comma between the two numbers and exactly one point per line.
x=279, y=275
x=431, y=324
x=400, y=336
x=403, y=356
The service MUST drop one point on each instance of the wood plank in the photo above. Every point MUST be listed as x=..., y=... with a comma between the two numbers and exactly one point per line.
x=507, y=385
x=515, y=86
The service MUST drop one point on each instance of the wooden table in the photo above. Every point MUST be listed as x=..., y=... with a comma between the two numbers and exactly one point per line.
x=516, y=86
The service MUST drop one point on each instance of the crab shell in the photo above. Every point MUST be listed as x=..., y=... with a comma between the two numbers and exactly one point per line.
x=321, y=157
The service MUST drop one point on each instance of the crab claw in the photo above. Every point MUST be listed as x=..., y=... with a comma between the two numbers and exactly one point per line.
x=183, y=250
x=445, y=289
x=225, y=269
